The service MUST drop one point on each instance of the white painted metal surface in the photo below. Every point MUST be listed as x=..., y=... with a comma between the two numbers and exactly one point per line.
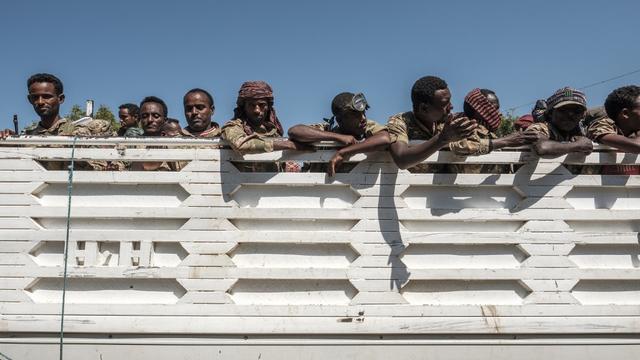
x=373, y=263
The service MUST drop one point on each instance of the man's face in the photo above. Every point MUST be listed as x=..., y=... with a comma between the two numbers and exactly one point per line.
x=256, y=109
x=152, y=118
x=629, y=118
x=439, y=108
x=567, y=117
x=46, y=102
x=126, y=118
x=352, y=122
x=198, y=111
x=171, y=129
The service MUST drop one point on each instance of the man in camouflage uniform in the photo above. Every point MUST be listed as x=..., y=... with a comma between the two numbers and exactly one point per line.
x=559, y=131
x=46, y=94
x=255, y=123
x=618, y=127
x=198, y=110
x=257, y=129
x=153, y=117
x=349, y=126
x=430, y=121
x=129, y=115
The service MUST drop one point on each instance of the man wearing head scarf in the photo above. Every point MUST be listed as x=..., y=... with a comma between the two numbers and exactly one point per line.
x=559, y=131
x=483, y=106
x=255, y=123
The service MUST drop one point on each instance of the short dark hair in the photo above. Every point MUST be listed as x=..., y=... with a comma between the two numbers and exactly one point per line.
x=44, y=77
x=424, y=89
x=196, y=90
x=157, y=100
x=620, y=98
x=132, y=108
x=172, y=120
x=340, y=102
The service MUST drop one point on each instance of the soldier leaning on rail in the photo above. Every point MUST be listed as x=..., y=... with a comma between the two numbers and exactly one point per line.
x=620, y=129
x=256, y=127
x=349, y=126
x=483, y=106
x=46, y=94
x=430, y=120
x=558, y=127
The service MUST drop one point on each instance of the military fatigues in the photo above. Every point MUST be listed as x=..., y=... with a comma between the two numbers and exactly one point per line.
x=258, y=142
x=371, y=128
x=65, y=127
x=598, y=124
x=405, y=126
x=547, y=129
x=214, y=132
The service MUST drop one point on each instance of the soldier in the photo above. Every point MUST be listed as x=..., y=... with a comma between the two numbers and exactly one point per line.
x=559, y=131
x=153, y=117
x=349, y=126
x=619, y=127
x=430, y=121
x=255, y=124
x=171, y=128
x=198, y=110
x=46, y=94
x=129, y=120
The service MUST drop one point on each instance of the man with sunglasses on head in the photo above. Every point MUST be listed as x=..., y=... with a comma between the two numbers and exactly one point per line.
x=559, y=131
x=348, y=126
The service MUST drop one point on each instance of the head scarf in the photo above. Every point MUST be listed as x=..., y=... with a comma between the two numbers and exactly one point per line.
x=566, y=96
x=257, y=90
x=561, y=97
x=523, y=122
x=487, y=111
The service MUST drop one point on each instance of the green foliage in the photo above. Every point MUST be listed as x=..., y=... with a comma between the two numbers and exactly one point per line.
x=76, y=113
x=104, y=113
x=506, y=126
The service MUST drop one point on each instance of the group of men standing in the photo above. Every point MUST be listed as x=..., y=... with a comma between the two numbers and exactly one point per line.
x=558, y=125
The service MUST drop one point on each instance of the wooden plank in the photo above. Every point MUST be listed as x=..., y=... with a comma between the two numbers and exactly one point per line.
x=17, y=223
x=323, y=325
x=206, y=297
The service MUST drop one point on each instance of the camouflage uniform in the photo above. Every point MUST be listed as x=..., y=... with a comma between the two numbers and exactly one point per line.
x=371, y=128
x=598, y=124
x=214, y=132
x=259, y=142
x=405, y=126
x=65, y=127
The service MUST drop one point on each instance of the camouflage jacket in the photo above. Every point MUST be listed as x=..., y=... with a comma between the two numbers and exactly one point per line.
x=258, y=142
x=405, y=126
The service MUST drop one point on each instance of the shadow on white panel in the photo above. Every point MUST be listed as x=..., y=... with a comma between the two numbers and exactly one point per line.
x=461, y=197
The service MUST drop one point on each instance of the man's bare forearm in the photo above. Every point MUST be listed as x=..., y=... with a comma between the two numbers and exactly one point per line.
x=406, y=156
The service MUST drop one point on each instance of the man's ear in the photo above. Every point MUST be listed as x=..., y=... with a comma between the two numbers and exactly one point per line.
x=623, y=114
x=61, y=98
x=213, y=109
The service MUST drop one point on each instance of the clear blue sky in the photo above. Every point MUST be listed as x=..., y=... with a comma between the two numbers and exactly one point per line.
x=120, y=51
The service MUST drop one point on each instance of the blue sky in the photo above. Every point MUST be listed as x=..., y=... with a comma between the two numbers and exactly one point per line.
x=120, y=51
